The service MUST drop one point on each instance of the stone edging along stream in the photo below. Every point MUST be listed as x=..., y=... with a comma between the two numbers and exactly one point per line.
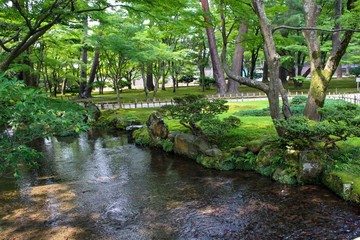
x=285, y=166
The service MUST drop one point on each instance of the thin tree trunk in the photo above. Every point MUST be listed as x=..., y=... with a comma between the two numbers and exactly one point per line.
x=336, y=38
x=149, y=77
x=237, y=67
x=215, y=60
x=84, y=60
x=265, y=76
x=92, y=75
x=144, y=77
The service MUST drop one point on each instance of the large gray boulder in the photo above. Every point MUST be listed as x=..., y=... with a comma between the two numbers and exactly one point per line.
x=310, y=166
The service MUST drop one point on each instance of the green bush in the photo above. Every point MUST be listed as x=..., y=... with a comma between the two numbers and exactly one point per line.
x=340, y=121
x=346, y=160
x=297, y=105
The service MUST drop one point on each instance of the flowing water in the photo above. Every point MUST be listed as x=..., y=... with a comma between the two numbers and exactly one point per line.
x=97, y=186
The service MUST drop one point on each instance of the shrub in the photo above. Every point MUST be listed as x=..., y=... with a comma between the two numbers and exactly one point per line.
x=192, y=109
x=340, y=121
x=297, y=105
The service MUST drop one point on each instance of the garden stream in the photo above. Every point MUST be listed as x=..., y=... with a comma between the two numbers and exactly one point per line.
x=98, y=186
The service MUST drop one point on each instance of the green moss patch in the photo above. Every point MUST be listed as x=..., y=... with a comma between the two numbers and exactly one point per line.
x=337, y=180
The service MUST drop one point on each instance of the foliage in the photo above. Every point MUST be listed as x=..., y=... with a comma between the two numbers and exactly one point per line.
x=207, y=82
x=166, y=145
x=355, y=71
x=247, y=162
x=346, y=160
x=216, y=130
x=141, y=136
x=28, y=115
x=192, y=109
x=187, y=79
x=297, y=105
x=298, y=81
x=340, y=121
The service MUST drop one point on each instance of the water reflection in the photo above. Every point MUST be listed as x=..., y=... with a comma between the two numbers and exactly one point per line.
x=98, y=186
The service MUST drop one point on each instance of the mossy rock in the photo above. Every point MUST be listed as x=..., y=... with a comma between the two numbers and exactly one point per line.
x=286, y=176
x=216, y=163
x=344, y=184
x=111, y=119
x=310, y=167
x=267, y=154
x=141, y=136
x=255, y=146
x=246, y=162
x=239, y=151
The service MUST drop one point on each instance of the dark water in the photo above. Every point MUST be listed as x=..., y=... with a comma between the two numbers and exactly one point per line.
x=100, y=187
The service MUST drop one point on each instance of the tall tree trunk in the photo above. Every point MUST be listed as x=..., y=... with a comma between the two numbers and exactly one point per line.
x=215, y=60
x=63, y=86
x=320, y=77
x=84, y=59
x=273, y=59
x=237, y=67
x=93, y=71
x=265, y=76
x=336, y=38
x=254, y=57
x=144, y=77
x=149, y=77
x=173, y=75
x=92, y=75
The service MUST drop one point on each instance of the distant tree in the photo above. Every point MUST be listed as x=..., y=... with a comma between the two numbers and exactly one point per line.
x=355, y=71
x=187, y=79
